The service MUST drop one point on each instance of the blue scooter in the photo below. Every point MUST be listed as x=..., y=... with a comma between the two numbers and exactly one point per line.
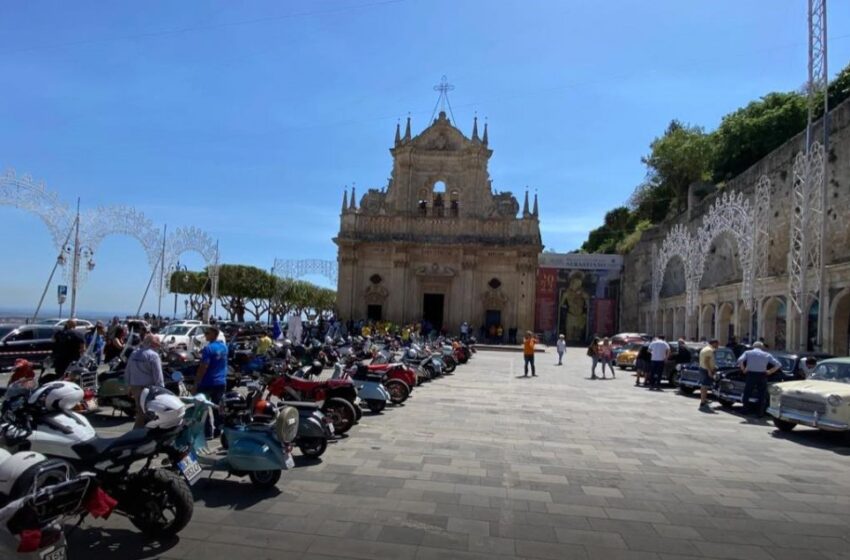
x=370, y=388
x=259, y=451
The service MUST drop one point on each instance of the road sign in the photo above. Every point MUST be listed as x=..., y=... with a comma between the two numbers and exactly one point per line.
x=61, y=293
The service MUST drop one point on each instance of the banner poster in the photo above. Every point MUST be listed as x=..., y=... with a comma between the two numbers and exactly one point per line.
x=604, y=313
x=546, y=299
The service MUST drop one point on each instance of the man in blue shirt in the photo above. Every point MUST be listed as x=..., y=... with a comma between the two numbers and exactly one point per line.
x=757, y=365
x=211, y=377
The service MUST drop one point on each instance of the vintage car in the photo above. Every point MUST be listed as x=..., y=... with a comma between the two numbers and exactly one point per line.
x=690, y=378
x=627, y=355
x=822, y=401
x=730, y=384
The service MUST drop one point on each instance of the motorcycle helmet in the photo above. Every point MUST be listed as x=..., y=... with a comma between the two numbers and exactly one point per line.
x=264, y=411
x=287, y=343
x=57, y=395
x=161, y=408
x=233, y=401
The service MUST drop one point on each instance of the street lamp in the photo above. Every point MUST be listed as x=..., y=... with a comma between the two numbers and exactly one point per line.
x=178, y=268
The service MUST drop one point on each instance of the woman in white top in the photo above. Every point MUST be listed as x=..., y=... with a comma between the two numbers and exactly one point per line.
x=562, y=347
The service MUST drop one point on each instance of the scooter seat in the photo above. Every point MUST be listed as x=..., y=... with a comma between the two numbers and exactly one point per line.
x=300, y=405
x=102, y=447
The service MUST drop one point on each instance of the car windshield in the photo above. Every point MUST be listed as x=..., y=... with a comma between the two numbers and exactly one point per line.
x=724, y=357
x=835, y=371
x=787, y=364
x=176, y=329
x=632, y=346
x=5, y=330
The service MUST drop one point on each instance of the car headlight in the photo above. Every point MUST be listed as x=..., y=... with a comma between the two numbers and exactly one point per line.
x=833, y=400
x=774, y=389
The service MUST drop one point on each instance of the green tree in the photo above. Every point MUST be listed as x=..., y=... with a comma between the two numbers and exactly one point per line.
x=240, y=284
x=195, y=285
x=750, y=133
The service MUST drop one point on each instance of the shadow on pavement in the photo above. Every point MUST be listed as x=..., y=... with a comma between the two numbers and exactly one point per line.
x=837, y=442
x=233, y=493
x=97, y=543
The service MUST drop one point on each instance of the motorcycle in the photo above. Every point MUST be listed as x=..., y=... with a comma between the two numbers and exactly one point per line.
x=155, y=500
x=259, y=451
x=36, y=496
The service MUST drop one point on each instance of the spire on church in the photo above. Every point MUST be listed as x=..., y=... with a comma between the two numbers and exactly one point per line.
x=344, y=200
x=397, y=133
x=534, y=209
x=407, y=130
x=484, y=140
x=353, y=199
x=525, y=213
x=475, y=129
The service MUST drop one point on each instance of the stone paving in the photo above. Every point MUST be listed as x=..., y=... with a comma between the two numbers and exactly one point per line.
x=488, y=465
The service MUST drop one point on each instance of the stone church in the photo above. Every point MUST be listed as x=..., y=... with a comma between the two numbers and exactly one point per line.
x=438, y=243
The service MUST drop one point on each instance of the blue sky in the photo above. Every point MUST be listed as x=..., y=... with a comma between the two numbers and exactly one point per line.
x=247, y=119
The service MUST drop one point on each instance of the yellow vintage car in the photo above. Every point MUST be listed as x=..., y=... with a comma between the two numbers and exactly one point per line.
x=626, y=355
x=821, y=401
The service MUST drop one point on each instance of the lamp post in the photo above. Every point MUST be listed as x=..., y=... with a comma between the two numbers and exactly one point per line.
x=186, y=308
x=77, y=253
x=177, y=268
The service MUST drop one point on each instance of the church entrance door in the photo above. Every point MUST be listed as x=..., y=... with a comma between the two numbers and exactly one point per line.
x=432, y=309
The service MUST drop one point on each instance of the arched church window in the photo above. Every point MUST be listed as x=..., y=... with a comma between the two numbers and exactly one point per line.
x=439, y=187
x=454, y=204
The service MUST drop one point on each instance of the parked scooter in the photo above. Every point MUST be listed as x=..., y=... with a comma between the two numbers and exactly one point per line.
x=369, y=386
x=156, y=501
x=259, y=451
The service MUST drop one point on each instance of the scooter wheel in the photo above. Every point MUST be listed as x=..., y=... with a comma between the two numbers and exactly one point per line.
x=341, y=413
x=313, y=447
x=398, y=390
x=264, y=479
x=376, y=406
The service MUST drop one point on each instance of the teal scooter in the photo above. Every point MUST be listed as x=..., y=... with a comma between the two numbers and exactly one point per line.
x=259, y=451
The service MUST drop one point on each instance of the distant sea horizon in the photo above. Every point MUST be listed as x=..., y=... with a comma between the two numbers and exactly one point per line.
x=23, y=314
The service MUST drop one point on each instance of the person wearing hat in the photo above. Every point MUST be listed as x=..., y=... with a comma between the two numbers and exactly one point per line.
x=562, y=347
x=757, y=365
x=144, y=369
x=707, y=369
x=211, y=377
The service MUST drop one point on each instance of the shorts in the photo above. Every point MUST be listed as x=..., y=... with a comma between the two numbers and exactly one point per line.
x=641, y=365
x=705, y=378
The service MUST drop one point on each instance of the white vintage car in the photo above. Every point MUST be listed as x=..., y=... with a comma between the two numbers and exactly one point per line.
x=821, y=401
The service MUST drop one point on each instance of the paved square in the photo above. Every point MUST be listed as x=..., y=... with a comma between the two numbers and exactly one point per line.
x=485, y=464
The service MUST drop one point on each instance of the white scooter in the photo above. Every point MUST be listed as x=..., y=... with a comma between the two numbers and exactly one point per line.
x=369, y=387
x=37, y=494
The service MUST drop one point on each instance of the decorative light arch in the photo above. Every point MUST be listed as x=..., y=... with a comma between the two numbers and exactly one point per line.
x=731, y=214
x=24, y=193
x=294, y=268
x=678, y=243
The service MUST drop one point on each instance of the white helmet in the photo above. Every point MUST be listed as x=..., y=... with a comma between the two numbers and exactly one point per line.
x=162, y=409
x=57, y=395
x=287, y=343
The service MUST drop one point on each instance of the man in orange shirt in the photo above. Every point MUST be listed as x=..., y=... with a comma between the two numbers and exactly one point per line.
x=528, y=352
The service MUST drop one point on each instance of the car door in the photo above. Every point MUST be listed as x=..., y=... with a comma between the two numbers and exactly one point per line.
x=19, y=343
x=43, y=343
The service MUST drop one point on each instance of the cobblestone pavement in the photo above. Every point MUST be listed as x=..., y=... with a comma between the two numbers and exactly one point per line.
x=485, y=464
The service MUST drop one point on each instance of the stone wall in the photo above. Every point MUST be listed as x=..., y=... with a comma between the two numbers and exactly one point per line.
x=721, y=265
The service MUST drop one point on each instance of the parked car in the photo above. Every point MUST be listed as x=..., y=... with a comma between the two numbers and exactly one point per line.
x=622, y=339
x=821, y=401
x=187, y=336
x=625, y=356
x=31, y=342
x=56, y=322
x=689, y=377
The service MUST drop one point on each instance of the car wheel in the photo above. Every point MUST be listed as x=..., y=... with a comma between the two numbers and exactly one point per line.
x=783, y=426
x=726, y=404
x=686, y=390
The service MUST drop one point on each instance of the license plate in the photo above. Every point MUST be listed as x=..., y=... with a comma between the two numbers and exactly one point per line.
x=290, y=462
x=54, y=553
x=331, y=428
x=190, y=468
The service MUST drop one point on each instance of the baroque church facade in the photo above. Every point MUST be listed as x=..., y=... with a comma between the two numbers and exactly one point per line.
x=437, y=243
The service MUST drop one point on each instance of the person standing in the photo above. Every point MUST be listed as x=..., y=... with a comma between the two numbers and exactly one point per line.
x=707, y=369
x=642, y=362
x=114, y=345
x=561, y=345
x=528, y=352
x=606, y=356
x=211, y=377
x=68, y=345
x=264, y=344
x=95, y=342
x=659, y=351
x=144, y=369
x=464, y=331
x=593, y=353
x=757, y=365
